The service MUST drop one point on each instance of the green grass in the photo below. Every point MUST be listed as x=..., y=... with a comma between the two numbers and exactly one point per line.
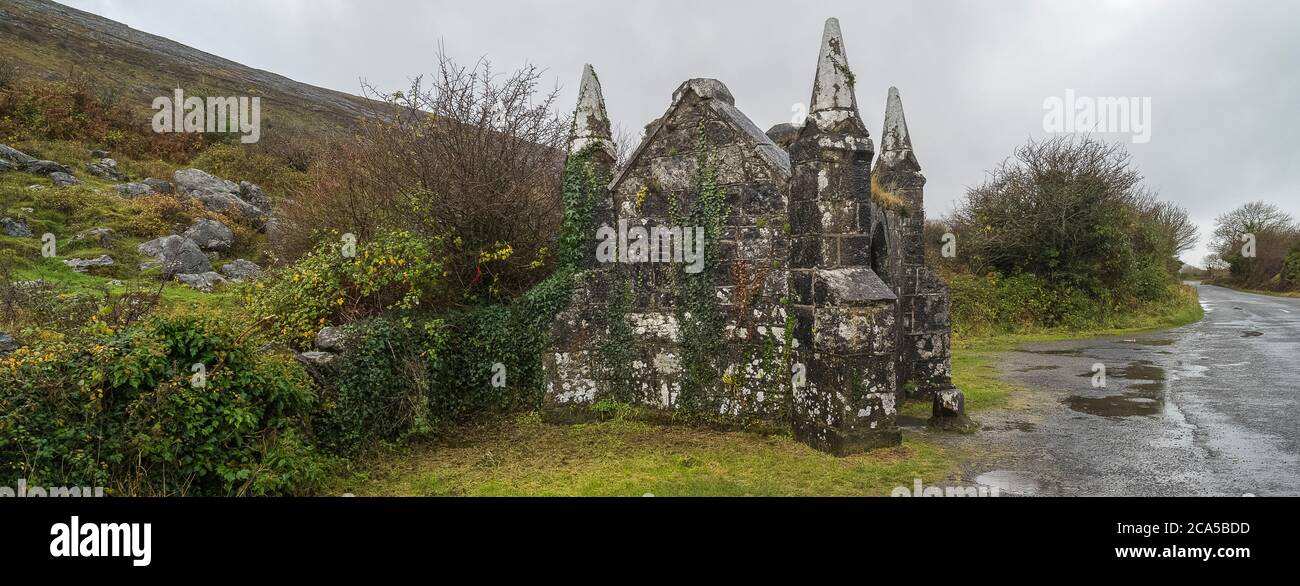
x=524, y=456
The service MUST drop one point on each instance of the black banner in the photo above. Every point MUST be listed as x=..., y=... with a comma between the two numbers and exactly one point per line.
x=325, y=534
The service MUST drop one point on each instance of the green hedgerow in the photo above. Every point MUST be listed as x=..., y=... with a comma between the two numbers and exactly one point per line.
x=173, y=406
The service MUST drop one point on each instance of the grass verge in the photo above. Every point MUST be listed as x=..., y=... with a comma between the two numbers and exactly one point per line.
x=525, y=456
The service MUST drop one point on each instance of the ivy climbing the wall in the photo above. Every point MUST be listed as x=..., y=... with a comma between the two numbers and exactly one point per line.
x=700, y=319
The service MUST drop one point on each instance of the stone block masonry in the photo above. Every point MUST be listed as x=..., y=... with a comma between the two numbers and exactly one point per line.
x=814, y=311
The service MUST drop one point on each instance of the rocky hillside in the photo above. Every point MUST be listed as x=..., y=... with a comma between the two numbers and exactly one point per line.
x=91, y=209
x=50, y=40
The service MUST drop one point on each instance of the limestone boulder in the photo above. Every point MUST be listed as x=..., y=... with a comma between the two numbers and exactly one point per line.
x=331, y=339
x=14, y=155
x=205, y=281
x=62, y=179
x=210, y=235
x=158, y=185
x=7, y=343
x=177, y=255
x=45, y=168
x=101, y=237
x=106, y=169
x=315, y=359
x=241, y=269
x=133, y=190
x=81, y=265
x=16, y=227
x=218, y=195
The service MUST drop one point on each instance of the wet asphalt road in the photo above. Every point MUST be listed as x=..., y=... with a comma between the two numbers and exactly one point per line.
x=1212, y=408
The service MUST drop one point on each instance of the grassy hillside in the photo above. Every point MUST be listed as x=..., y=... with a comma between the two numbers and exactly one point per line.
x=48, y=40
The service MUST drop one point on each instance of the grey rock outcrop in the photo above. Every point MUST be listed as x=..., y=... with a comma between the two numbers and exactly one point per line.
x=81, y=265
x=6, y=166
x=45, y=168
x=101, y=237
x=106, y=169
x=16, y=227
x=8, y=345
x=254, y=195
x=64, y=179
x=241, y=269
x=204, y=281
x=315, y=359
x=331, y=339
x=158, y=185
x=15, y=156
x=216, y=194
x=178, y=255
x=210, y=234
x=133, y=190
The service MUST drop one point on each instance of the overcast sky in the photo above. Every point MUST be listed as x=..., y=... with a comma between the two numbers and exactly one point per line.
x=1223, y=77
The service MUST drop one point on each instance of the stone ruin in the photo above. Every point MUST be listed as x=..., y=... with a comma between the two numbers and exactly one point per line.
x=815, y=312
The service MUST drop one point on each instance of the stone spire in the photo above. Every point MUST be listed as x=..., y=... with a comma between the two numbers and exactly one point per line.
x=895, y=143
x=849, y=401
x=832, y=96
x=590, y=122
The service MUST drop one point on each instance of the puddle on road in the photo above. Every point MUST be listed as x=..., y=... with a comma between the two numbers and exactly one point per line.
x=1140, y=399
x=1074, y=352
x=1039, y=367
x=1009, y=482
x=1251, y=334
x=1155, y=342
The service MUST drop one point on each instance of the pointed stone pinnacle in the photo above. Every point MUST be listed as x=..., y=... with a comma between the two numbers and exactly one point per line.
x=833, y=87
x=895, y=142
x=590, y=122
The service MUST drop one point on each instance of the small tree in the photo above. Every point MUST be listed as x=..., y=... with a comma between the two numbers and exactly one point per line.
x=469, y=158
x=1072, y=212
x=1270, y=234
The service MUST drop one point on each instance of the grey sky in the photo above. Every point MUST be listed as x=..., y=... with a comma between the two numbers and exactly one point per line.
x=1222, y=76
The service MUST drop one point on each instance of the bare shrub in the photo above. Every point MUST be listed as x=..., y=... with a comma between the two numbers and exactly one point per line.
x=1275, y=234
x=8, y=74
x=469, y=158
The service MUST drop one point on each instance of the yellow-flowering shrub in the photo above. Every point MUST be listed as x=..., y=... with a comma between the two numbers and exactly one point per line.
x=334, y=285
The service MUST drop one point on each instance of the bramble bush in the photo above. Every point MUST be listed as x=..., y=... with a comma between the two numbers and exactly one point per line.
x=397, y=270
x=121, y=409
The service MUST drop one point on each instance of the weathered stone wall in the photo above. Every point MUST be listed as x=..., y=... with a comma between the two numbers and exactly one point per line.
x=660, y=187
x=810, y=274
